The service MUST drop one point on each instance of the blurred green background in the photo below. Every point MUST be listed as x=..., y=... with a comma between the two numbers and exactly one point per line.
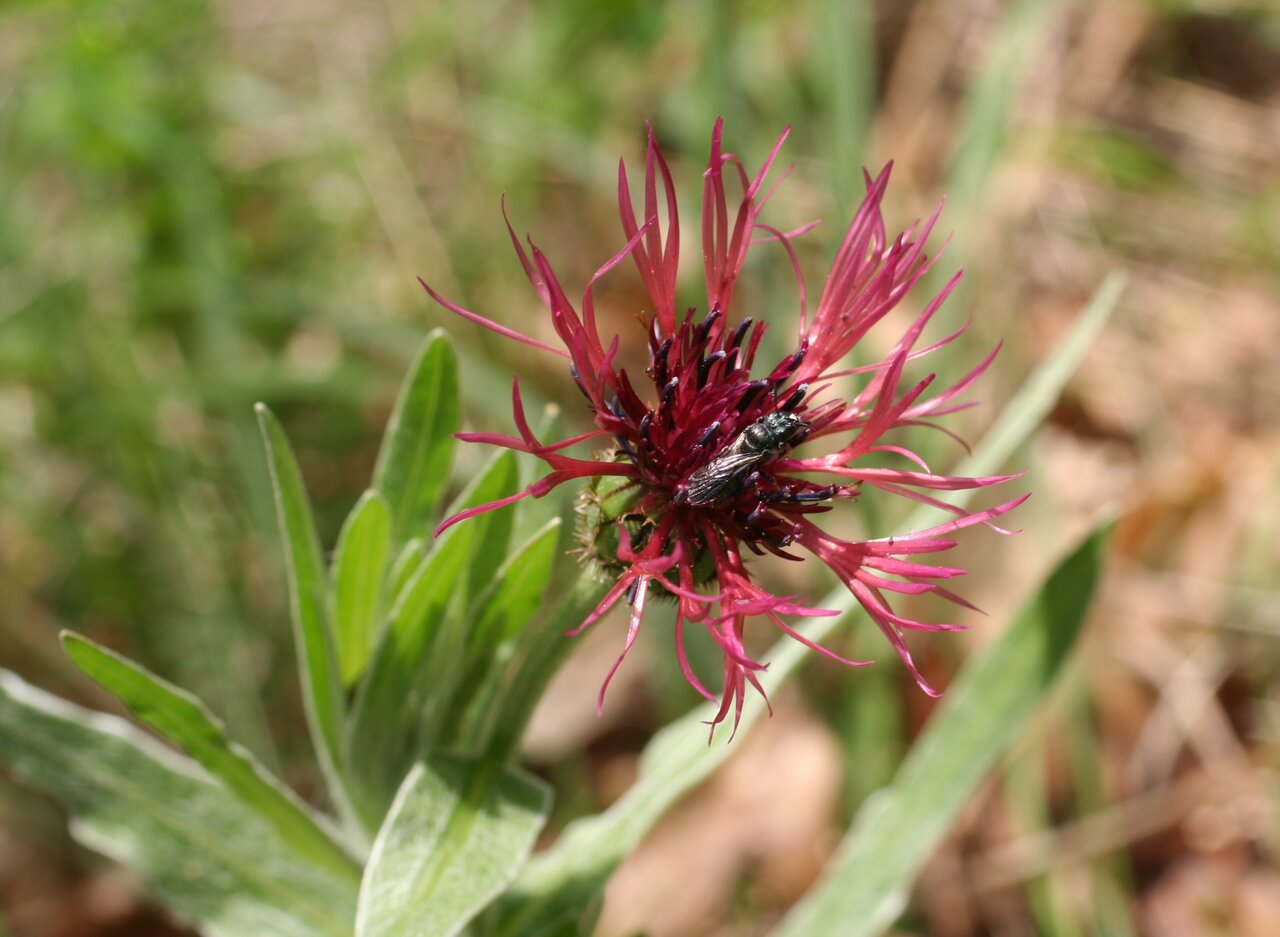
x=209, y=204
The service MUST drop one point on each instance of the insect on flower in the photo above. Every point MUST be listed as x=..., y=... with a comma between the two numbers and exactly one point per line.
x=703, y=468
x=734, y=469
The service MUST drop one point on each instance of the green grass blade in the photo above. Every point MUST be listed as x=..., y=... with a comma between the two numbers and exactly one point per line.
x=1023, y=30
x=981, y=140
x=1038, y=395
x=184, y=720
x=413, y=464
x=317, y=662
x=197, y=848
x=678, y=758
x=982, y=715
x=358, y=567
x=844, y=71
x=455, y=836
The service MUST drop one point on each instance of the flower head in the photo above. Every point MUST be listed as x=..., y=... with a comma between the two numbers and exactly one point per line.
x=713, y=457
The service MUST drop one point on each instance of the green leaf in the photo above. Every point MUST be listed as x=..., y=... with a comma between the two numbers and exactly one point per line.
x=404, y=566
x=570, y=873
x=407, y=674
x=506, y=625
x=199, y=850
x=382, y=735
x=413, y=464
x=981, y=716
x=519, y=587
x=321, y=688
x=503, y=615
x=456, y=834
x=677, y=759
x=843, y=64
x=1014, y=52
x=182, y=718
x=492, y=531
x=358, y=567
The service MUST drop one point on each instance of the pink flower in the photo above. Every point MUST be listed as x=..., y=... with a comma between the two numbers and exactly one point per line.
x=704, y=461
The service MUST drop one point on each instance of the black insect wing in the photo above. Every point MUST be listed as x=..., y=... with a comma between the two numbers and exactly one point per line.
x=723, y=477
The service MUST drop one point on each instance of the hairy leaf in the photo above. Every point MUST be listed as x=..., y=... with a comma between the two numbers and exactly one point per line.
x=317, y=662
x=458, y=832
x=413, y=464
x=182, y=718
x=358, y=567
x=198, y=848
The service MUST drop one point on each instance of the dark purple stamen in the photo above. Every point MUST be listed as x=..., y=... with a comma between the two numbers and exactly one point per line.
x=632, y=590
x=660, y=361
x=707, y=434
x=797, y=395
x=705, y=366
x=817, y=494
x=750, y=394
x=645, y=422
x=705, y=328
x=669, y=389
x=739, y=333
x=788, y=367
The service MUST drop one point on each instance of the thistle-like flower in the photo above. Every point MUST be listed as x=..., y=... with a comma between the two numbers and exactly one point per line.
x=703, y=463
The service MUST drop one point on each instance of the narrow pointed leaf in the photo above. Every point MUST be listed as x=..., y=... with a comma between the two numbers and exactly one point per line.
x=492, y=531
x=413, y=464
x=983, y=713
x=358, y=567
x=382, y=736
x=402, y=568
x=457, y=833
x=307, y=591
x=518, y=588
x=507, y=608
x=197, y=848
x=183, y=719
x=407, y=674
